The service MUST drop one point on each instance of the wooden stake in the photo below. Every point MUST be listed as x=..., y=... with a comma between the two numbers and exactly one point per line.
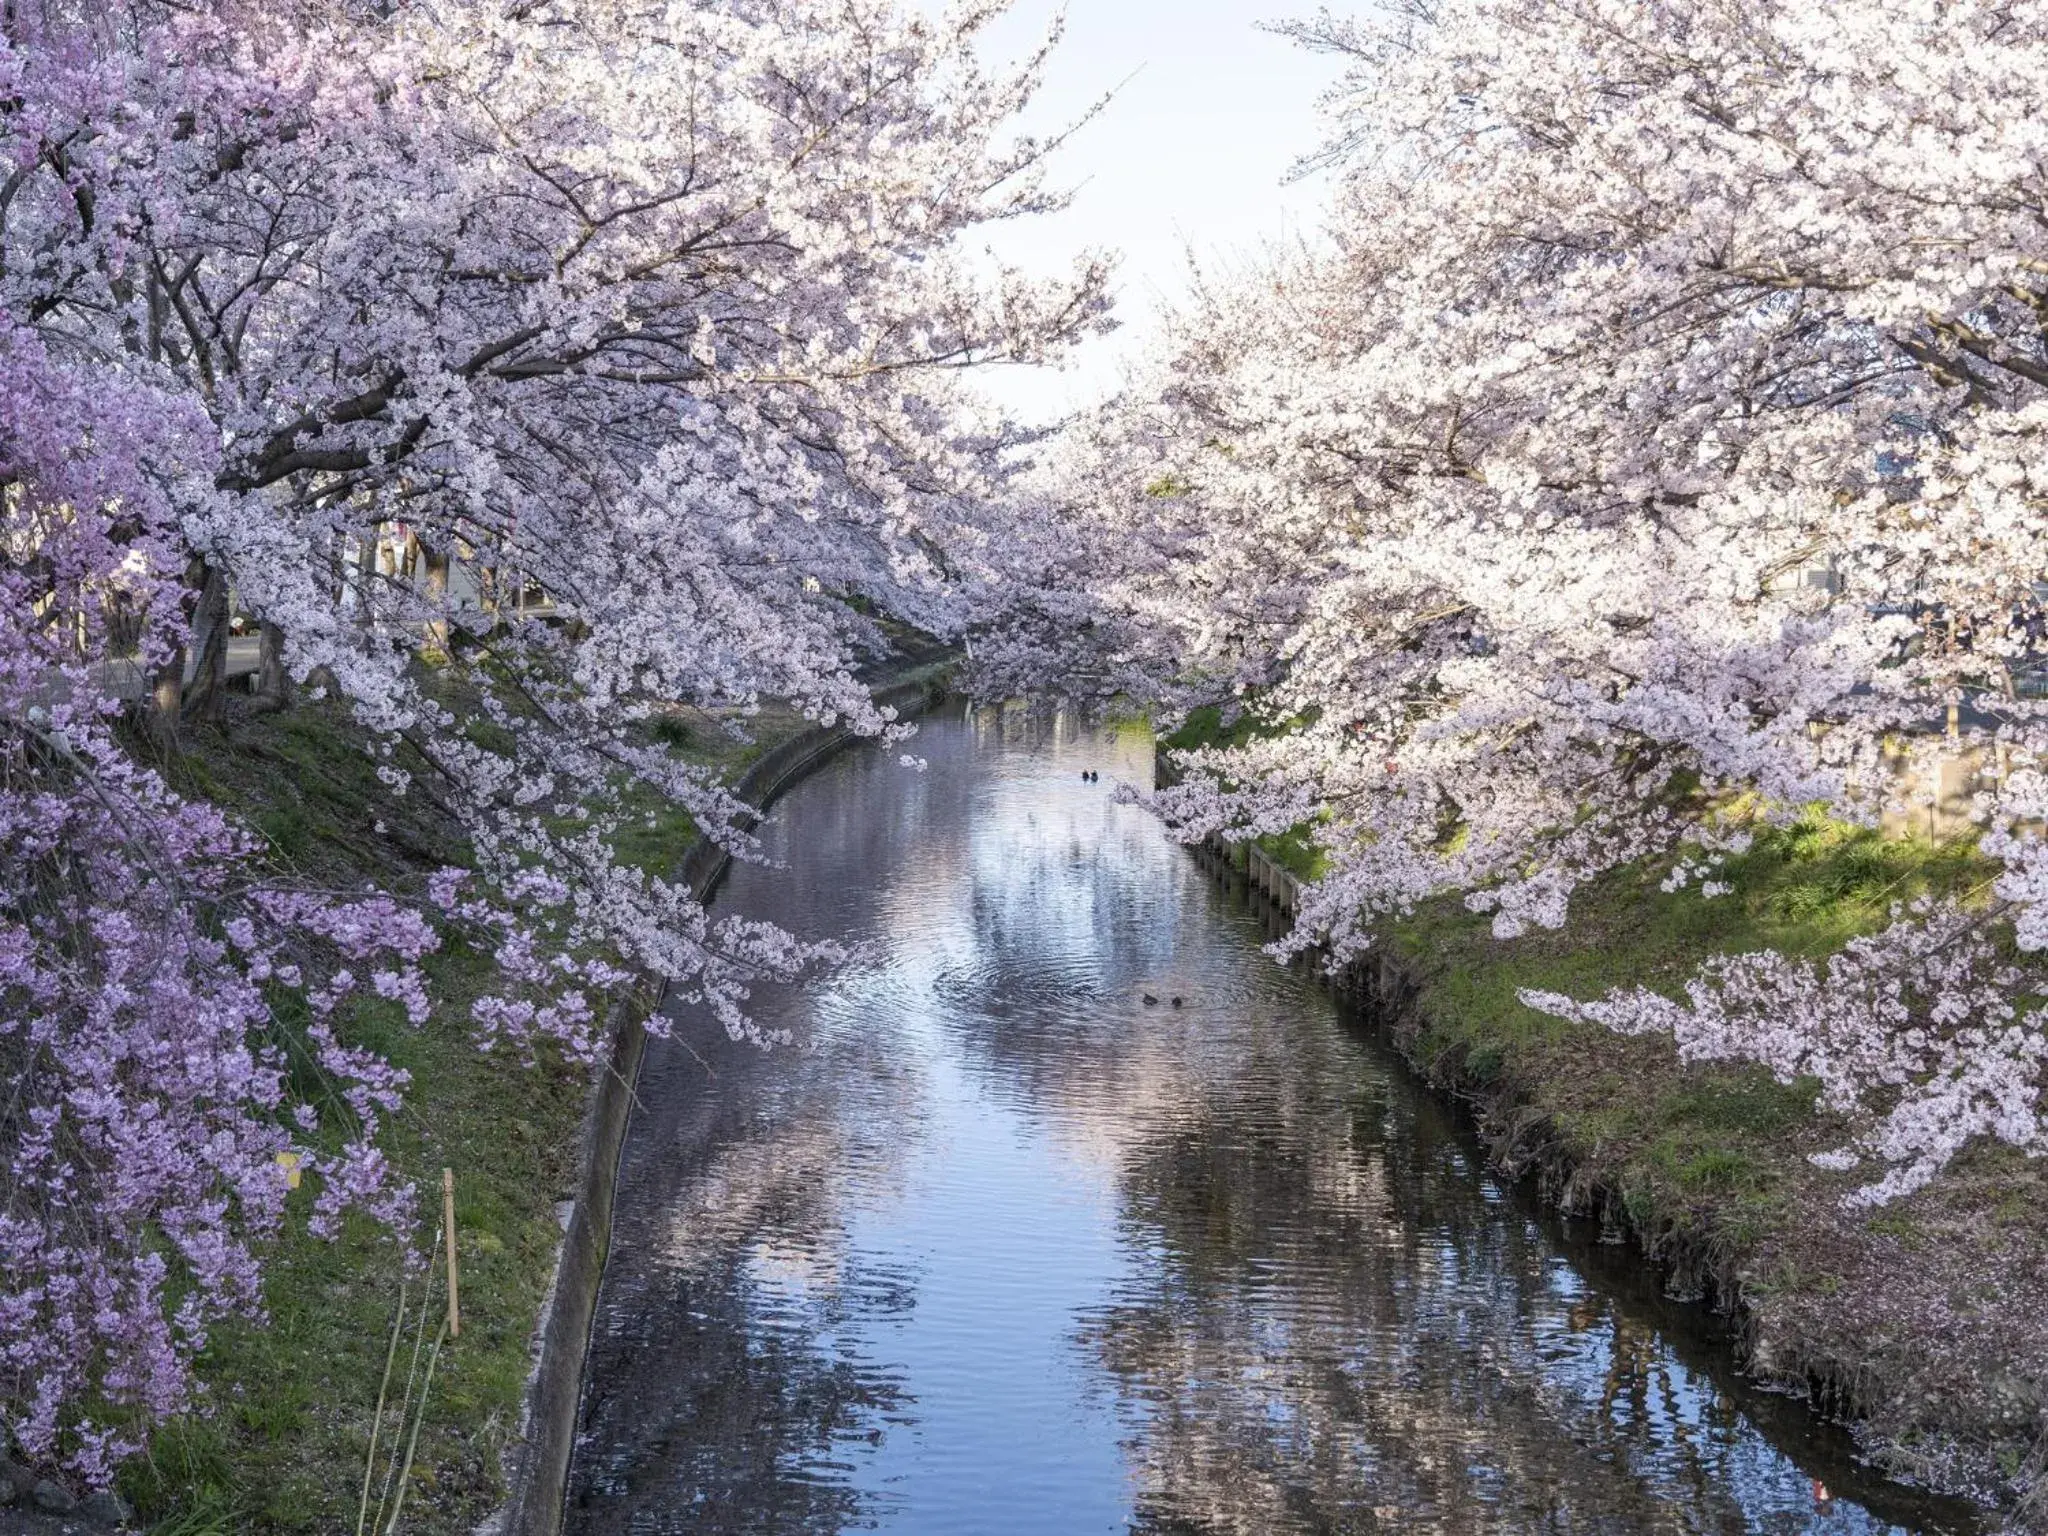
x=448, y=1224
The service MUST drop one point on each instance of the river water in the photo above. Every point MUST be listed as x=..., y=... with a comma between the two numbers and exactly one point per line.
x=996, y=1246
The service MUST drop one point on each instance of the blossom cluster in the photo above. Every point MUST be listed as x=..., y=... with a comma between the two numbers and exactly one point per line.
x=1658, y=420
x=1915, y=1034
x=149, y=1132
x=659, y=310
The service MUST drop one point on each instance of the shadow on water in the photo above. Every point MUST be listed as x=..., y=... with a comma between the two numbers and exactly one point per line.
x=1000, y=1247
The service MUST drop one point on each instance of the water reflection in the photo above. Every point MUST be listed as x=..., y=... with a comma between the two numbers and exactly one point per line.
x=1001, y=1248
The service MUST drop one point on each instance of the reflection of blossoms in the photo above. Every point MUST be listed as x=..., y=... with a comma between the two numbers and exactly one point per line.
x=1663, y=424
x=1912, y=1033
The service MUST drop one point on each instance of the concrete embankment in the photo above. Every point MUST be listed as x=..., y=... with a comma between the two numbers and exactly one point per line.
x=538, y=1462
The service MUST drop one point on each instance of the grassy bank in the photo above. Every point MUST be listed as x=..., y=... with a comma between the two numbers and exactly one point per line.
x=1926, y=1319
x=282, y=1445
x=1923, y=1317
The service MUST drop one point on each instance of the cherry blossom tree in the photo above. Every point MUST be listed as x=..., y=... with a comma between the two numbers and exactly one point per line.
x=657, y=308
x=1658, y=422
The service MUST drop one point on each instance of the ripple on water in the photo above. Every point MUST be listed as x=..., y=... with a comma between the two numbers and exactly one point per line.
x=1001, y=984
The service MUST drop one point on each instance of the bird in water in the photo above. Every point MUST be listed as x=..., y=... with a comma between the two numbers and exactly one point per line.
x=1150, y=999
x=1176, y=1000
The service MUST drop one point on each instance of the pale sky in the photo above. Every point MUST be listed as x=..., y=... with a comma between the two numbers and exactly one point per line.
x=1193, y=153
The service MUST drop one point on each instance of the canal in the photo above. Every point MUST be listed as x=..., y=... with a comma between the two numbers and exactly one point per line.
x=993, y=1244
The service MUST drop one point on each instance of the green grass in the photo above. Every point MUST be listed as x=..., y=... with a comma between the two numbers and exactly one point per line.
x=1206, y=728
x=280, y=1446
x=1705, y=1151
x=1295, y=851
x=281, y=1442
x=655, y=834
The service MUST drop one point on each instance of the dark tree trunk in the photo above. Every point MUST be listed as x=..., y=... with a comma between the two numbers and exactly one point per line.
x=273, y=683
x=206, y=695
x=364, y=576
x=166, y=691
x=436, y=568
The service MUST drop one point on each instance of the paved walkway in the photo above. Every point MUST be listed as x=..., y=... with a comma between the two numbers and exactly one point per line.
x=126, y=679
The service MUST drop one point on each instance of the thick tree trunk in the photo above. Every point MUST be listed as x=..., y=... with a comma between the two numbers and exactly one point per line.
x=436, y=568
x=273, y=683
x=166, y=692
x=366, y=578
x=206, y=695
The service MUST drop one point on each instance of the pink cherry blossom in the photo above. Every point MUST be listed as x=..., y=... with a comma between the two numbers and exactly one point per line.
x=656, y=310
x=1657, y=422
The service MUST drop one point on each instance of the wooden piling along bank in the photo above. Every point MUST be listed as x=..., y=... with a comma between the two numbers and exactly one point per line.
x=1267, y=877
